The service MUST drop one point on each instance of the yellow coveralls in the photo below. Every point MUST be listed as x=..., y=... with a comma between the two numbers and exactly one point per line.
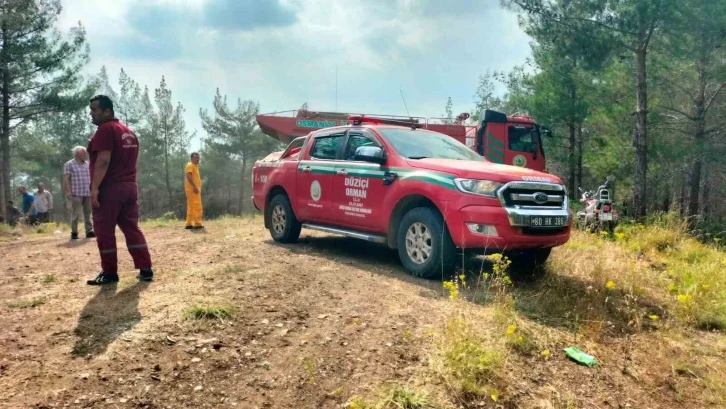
x=194, y=200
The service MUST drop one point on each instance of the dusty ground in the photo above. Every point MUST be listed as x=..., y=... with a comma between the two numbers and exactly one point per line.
x=313, y=324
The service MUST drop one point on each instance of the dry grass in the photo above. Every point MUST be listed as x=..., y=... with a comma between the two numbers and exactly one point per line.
x=30, y=303
x=201, y=311
x=624, y=295
x=393, y=396
x=661, y=264
x=468, y=362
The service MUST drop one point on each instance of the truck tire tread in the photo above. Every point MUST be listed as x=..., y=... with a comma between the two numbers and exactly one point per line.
x=291, y=231
x=443, y=256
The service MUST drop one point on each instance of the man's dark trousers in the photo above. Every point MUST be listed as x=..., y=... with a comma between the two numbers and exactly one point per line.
x=119, y=207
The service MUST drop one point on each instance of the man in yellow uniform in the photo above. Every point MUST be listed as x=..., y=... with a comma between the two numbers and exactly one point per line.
x=193, y=189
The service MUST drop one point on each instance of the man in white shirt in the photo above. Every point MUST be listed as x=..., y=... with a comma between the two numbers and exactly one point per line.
x=43, y=203
x=77, y=182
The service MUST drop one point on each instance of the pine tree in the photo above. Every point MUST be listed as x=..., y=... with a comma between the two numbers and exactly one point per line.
x=606, y=27
x=37, y=66
x=235, y=132
x=130, y=104
x=696, y=55
x=167, y=135
x=448, y=112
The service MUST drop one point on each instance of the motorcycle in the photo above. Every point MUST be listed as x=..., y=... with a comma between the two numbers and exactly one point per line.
x=598, y=213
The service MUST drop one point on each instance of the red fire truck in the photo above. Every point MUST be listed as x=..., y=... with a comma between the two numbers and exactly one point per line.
x=510, y=140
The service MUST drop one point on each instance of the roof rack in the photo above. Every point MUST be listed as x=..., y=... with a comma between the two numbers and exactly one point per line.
x=360, y=119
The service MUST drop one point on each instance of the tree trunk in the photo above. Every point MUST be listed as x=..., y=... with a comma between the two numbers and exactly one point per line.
x=2, y=194
x=571, y=159
x=706, y=193
x=699, y=131
x=580, y=153
x=166, y=170
x=683, y=196
x=5, y=194
x=228, y=183
x=243, y=180
x=667, y=197
x=640, y=139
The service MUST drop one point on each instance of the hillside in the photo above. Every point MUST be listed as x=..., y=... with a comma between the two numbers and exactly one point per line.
x=236, y=320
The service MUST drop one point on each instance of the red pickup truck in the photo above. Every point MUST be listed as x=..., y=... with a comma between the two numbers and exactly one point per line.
x=417, y=191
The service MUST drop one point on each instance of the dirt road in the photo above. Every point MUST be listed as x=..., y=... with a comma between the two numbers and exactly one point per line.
x=312, y=324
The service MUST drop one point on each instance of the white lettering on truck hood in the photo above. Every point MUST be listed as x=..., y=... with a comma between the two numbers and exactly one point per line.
x=538, y=179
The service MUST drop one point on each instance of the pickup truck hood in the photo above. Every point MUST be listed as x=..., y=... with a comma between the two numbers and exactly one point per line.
x=483, y=170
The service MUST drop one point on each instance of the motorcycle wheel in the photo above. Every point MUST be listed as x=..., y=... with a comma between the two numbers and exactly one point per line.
x=606, y=226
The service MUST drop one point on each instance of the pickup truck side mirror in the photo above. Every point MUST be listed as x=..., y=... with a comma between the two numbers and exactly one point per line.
x=372, y=154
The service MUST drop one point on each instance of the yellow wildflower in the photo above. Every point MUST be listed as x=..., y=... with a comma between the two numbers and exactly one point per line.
x=495, y=257
x=452, y=288
x=619, y=236
x=653, y=317
x=684, y=298
x=546, y=354
x=610, y=284
x=511, y=329
x=495, y=395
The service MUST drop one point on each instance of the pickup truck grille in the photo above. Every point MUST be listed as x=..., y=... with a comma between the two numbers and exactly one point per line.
x=533, y=195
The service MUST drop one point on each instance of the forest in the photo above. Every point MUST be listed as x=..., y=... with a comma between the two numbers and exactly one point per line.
x=631, y=88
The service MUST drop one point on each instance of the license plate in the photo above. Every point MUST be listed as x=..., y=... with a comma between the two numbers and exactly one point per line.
x=547, y=221
x=606, y=217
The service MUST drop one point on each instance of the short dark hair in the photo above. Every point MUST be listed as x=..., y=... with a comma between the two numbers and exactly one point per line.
x=104, y=102
x=194, y=153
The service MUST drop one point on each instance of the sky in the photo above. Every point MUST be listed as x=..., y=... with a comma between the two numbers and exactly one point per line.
x=283, y=53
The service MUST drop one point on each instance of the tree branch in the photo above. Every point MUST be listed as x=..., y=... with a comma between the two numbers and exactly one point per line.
x=713, y=96
x=678, y=111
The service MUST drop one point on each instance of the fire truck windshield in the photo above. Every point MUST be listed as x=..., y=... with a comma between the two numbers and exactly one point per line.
x=523, y=139
x=420, y=144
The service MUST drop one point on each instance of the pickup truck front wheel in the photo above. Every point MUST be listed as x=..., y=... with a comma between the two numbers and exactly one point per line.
x=424, y=243
x=284, y=226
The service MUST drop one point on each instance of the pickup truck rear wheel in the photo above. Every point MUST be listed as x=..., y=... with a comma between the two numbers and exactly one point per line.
x=284, y=226
x=424, y=243
x=528, y=264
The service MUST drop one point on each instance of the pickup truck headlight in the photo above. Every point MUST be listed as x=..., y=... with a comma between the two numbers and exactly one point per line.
x=477, y=187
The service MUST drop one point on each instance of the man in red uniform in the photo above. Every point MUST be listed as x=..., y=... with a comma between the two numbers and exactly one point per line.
x=113, y=150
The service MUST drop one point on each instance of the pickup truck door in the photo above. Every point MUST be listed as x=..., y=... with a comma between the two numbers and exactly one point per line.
x=358, y=189
x=315, y=174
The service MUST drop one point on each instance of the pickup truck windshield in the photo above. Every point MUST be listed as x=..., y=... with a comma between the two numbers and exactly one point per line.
x=420, y=144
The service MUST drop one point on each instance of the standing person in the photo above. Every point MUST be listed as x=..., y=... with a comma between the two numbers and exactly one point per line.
x=29, y=210
x=193, y=189
x=114, y=150
x=77, y=182
x=43, y=203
